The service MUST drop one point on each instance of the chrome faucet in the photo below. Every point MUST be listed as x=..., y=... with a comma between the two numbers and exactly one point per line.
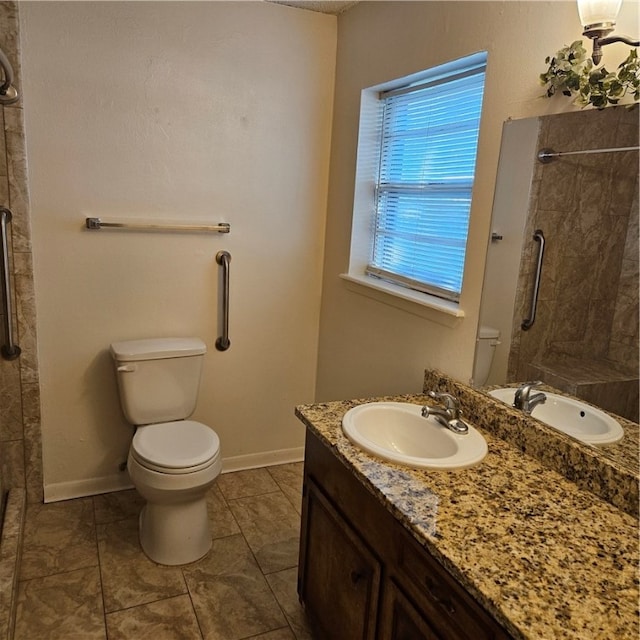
x=447, y=414
x=526, y=402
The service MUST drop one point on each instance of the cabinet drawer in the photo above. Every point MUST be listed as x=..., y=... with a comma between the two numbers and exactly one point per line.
x=456, y=612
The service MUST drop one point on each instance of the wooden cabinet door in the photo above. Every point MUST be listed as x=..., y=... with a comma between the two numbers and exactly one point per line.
x=339, y=577
x=400, y=619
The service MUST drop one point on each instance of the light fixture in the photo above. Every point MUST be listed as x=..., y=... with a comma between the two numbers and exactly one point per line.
x=598, y=18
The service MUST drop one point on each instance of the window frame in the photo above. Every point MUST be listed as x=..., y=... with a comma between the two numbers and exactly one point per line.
x=364, y=213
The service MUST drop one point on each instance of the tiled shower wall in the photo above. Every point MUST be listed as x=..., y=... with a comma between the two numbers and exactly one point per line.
x=20, y=440
x=585, y=338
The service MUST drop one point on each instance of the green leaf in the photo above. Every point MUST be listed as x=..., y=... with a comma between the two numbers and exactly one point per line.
x=572, y=73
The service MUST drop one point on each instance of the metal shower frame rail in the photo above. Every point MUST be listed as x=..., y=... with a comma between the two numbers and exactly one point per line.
x=547, y=155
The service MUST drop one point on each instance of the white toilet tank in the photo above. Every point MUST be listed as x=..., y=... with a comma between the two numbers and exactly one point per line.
x=486, y=343
x=158, y=379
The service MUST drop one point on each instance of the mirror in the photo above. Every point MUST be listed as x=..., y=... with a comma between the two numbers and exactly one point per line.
x=584, y=339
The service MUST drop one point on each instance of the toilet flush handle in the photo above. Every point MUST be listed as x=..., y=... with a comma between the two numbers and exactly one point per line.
x=126, y=368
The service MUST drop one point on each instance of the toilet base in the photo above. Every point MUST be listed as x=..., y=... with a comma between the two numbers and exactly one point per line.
x=174, y=534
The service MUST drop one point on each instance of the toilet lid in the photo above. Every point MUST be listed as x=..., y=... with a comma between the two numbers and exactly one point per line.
x=182, y=444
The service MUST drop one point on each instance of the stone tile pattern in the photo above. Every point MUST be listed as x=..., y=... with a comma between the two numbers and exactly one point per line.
x=10, y=549
x=84, y=576
x=20, y=439
x=585, y=337
x=546, y=558
x=610, y=472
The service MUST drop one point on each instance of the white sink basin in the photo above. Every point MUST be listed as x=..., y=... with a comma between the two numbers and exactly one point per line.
x=570, y=416
x=397, y=431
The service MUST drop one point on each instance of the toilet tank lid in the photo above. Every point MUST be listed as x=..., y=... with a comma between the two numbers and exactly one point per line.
x=487, y=332
x=157, y=348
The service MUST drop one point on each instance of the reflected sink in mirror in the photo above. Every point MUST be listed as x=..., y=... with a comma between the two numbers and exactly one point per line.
x=569, y=415
x=396, y=431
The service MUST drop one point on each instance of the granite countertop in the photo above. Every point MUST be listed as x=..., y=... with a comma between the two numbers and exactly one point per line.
x=610, y=472
x=546, y=558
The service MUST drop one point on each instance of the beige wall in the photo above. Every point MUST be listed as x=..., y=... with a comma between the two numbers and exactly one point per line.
x=154, y=110
x=367, y=347
x=518, y=150
x=208, y=111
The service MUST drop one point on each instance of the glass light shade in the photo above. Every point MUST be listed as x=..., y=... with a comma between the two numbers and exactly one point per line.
x=598, y=11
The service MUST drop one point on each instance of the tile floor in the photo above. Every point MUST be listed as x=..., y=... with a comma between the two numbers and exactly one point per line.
x=83, y=575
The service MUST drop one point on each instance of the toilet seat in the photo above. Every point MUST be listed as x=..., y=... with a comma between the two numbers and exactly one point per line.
x=178, y=447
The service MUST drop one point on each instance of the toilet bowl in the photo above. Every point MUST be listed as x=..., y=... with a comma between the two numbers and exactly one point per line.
x=171, y=462
x=174, y=524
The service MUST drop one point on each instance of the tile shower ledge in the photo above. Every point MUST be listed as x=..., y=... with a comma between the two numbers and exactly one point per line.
x=545, y=557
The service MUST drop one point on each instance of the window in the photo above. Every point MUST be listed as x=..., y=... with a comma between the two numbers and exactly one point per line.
x=420, y=150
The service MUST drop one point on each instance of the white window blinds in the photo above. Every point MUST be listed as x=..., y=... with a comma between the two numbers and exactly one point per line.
x=428, y=147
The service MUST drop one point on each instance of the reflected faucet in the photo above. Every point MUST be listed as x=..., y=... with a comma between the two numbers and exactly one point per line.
x=447, y=414
x=526, y=402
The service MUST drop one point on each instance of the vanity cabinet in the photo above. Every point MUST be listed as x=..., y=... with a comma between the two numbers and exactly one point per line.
x=362, y=576
x=344, y=584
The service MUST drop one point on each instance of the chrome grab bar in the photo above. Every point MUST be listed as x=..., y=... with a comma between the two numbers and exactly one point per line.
x=97, y=224
x=223, y=258
x=10, y=350
x=8, y=93
x=528, y=323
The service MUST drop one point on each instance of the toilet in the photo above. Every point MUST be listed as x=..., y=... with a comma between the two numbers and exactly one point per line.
x=486, y=344
x=172, y=461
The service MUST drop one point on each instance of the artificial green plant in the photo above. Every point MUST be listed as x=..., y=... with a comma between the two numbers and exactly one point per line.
x=571, y=72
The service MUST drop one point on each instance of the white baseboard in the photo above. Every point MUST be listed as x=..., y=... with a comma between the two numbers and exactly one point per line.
x=89, y=487
x=265, y=459
x=95, y=486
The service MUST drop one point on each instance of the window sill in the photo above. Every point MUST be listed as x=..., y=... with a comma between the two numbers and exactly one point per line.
x=415, y=302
